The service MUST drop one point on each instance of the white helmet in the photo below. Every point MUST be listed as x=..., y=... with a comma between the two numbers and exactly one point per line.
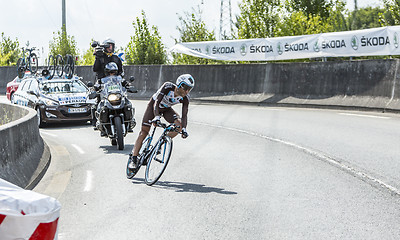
x=111, y=67
x=109, y=42
x=186, y=81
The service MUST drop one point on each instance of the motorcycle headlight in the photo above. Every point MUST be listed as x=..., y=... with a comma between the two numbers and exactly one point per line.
x=114, y=98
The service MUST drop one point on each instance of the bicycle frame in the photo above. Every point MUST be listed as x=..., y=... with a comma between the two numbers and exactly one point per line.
x=148, y=150
x=148, y=154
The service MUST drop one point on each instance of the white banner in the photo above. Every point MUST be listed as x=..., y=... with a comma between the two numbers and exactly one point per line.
x=369, y=42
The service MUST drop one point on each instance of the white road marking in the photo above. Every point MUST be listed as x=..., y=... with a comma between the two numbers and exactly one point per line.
x=358, y=173
x=363, y=115
x=78, y=148
x=89, y=178
x=48, y=134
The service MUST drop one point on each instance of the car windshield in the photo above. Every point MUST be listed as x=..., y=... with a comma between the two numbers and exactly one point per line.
x=52, y=87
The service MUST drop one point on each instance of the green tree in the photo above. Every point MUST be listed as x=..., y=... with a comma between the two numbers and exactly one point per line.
x=258, y=18
x=87, y=57
x=145, y=46
x=392, y=14
x=192, y=29
x=63, y=44
x=311, y=8
x=365, y=18
x=9, y=51
x=298, y=23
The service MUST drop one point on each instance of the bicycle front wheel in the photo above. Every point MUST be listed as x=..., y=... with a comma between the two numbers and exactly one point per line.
x=158, y=160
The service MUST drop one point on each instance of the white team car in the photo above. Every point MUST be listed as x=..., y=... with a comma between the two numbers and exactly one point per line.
x=55, y=100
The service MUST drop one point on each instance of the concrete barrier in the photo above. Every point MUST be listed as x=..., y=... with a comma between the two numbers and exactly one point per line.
x=372, y=84
x=24, y=156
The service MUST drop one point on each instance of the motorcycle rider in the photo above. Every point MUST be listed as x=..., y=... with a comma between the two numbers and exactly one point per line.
x=105, y=56
x=161, y=104
x=111, y=69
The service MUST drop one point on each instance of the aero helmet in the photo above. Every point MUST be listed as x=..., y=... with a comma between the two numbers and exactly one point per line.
x=185, y=81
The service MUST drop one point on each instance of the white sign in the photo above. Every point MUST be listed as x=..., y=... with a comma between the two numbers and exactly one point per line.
x=369, y=42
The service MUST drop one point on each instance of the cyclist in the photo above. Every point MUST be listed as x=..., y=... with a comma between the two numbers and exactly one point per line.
x=102, y=58
x=161, y=104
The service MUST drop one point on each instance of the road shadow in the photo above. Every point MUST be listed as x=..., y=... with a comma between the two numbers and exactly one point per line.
x=185, y=187
x=109, y=149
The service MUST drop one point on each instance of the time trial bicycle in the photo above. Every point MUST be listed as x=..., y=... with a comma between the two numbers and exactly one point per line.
x=155, y=157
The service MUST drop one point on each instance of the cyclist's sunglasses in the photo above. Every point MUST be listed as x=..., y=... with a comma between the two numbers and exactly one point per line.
x=185, y=87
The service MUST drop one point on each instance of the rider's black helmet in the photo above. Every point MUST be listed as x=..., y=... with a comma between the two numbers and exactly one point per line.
x=111, y=67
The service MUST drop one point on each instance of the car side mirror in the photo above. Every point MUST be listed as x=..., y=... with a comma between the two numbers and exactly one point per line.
x=131, y=78
x=89, y=84
x=32, y=92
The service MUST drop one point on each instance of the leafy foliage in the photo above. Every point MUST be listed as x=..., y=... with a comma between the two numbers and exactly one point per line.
x=392, y=15
x=258, y=18
x=192, y=29
x=366, y=18
x=87, y=57
x=145, y=46
x=9, y=51
x=298, y=23
x=63, y=44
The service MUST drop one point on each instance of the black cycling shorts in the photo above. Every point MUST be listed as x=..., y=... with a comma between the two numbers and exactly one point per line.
x=169, y=114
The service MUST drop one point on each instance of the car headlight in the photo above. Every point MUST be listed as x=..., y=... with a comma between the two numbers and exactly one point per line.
x=49, y=102
x=114, y=98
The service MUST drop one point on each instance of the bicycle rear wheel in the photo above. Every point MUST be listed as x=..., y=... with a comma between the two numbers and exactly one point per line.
x=158, y=161
x=69, y=66
x=33, y=63
x=59, y=65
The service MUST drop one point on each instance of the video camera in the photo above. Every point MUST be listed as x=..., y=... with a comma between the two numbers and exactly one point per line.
x=98, y=48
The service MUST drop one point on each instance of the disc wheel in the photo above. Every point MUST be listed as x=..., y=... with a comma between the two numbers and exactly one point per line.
x=158, y=161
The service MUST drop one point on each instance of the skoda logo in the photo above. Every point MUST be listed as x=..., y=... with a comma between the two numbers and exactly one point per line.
x=396, y=40
x=208, y=51
x=354, y=42
x=280, y=48
x=243, y=49
x=316, y=46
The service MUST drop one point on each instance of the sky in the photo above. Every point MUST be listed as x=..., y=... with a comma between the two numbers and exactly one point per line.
x=37, y=20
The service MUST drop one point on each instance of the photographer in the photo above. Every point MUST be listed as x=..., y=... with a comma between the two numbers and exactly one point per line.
x=104, y=55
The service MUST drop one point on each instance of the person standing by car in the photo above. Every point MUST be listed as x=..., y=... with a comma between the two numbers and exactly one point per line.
x=161, y=104
x=105, y=56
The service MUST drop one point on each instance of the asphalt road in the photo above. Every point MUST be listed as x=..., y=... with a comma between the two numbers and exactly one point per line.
x=245, y=172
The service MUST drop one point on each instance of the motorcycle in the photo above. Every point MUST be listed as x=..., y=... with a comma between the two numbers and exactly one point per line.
x=114, y=113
